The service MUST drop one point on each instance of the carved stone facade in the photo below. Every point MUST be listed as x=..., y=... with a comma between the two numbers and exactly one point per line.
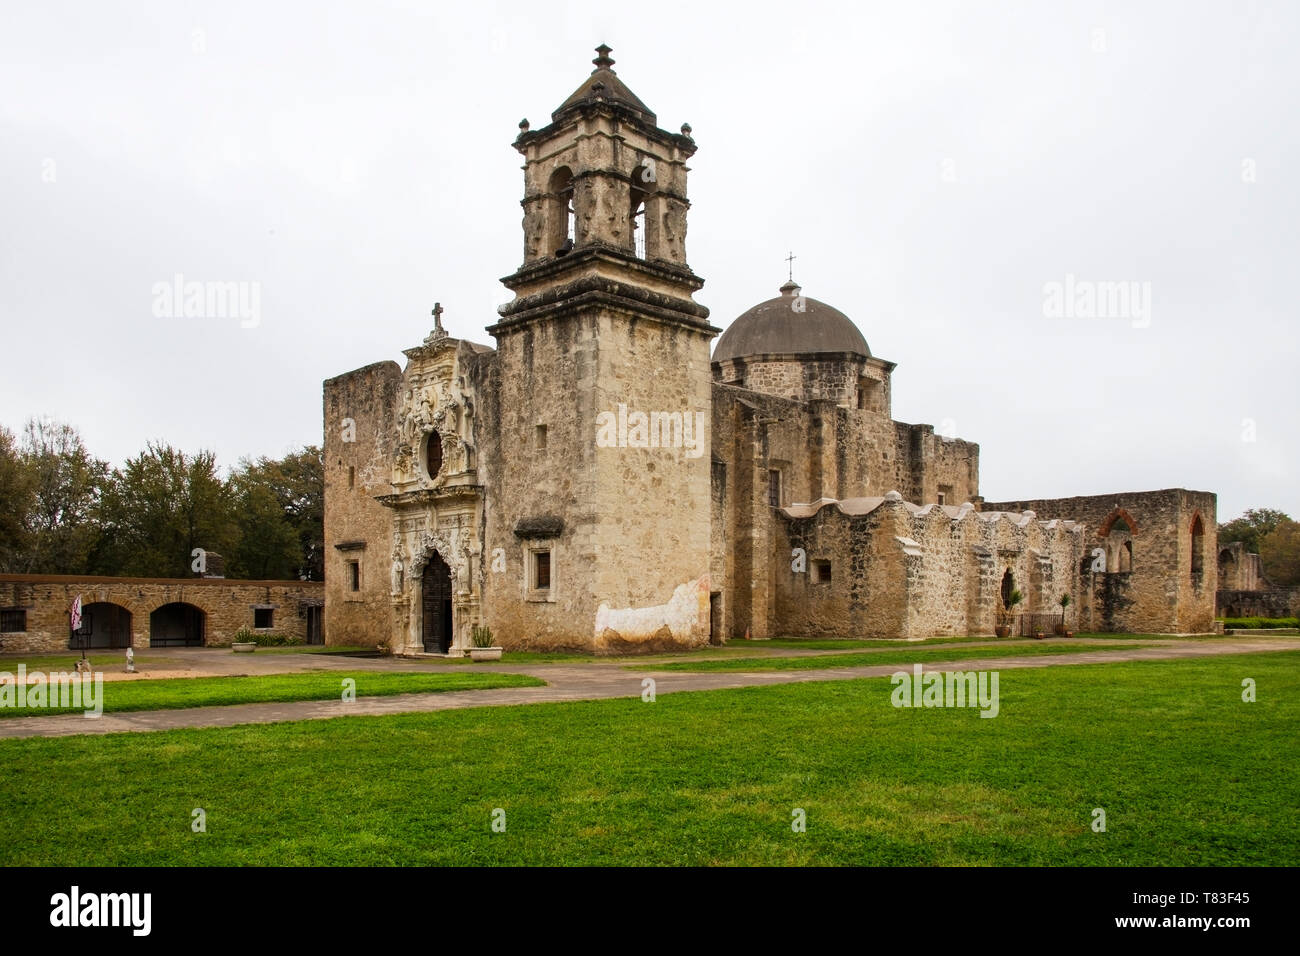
x=600, y=481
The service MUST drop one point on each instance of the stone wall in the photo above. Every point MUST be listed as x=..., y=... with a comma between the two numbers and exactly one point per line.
x=360, y=442
x=1273, y=602
x=1155, y=581
x=228, y=605
x=899, y=570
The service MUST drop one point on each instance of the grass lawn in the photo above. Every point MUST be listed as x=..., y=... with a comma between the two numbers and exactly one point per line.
x=167, y=693
x=67, y=662
x=1187, y=773
x=1030, y=648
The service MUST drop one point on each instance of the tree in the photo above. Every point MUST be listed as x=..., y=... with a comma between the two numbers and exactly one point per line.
x=297, y=483
x=66, y=483
x=158, y=508
x=268, y=543
x=1279, y=552
x=17, y=499
x=1251, y=528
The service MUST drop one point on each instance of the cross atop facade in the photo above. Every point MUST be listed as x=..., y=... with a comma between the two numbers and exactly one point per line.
x=790, y=261
x=437, y=316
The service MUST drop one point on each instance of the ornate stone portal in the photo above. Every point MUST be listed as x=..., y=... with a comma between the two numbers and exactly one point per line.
x=437, y=502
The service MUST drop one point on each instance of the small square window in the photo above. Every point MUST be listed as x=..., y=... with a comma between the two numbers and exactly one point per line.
x=540, y=438
x=354, y=575
x=262, y=617
x=13, y=620
x=541, y=570
x=821, y=572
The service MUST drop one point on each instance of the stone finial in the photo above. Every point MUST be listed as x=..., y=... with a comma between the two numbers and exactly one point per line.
x=893, y=496
x=523, y=125
x=603, y=60
x=790, y=288
x=686, y=129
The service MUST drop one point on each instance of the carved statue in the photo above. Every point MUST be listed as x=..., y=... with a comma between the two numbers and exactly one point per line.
x=398, y=572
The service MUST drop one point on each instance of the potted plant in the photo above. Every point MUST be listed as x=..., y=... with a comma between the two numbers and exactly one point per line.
x=1007, y=614
x=1064, y=602
x=483, y=649
x=245, y=641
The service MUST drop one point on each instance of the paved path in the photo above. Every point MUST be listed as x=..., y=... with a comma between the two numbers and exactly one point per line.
x=586, y=681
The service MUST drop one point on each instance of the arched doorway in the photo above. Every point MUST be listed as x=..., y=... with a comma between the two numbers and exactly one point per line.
x=176, y=625
x=1008, y=585
x=103, y=625
x=435, y=591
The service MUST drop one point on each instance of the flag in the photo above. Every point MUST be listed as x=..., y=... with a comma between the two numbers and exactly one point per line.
x=76, y=614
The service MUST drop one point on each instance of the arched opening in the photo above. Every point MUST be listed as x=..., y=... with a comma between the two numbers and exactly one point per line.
x=1198, y=550
x=1119, y=543
x=176, y=625
x=1008, y=585
x=433, y=454
x=638, y=229
x=435, y=605
x=560, y=218
x=103, y=625
x=1227, y=567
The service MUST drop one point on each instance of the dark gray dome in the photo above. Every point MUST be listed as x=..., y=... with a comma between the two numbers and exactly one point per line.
x=778, y=327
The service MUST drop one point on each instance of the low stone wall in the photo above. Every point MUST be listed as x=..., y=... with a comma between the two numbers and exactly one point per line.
x=1275, y=602
x=223, y=606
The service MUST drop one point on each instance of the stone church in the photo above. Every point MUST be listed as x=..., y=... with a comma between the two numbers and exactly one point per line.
x=610, y=478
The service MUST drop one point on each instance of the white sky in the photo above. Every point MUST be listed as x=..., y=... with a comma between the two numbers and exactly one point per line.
x=931, y=165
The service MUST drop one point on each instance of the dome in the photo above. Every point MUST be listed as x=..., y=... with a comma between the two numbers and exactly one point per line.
x=790, y=324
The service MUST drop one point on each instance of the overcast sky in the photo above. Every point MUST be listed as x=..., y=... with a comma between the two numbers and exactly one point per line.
x=934, y=167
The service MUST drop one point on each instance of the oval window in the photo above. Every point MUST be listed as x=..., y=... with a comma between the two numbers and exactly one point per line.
x=433, y=454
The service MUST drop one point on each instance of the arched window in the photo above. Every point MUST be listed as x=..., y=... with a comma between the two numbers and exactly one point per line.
x=638, y=231
x=1118, y=531
x=433, y=454
x=560, y=216
x=1198, y=550
x=1008, y=585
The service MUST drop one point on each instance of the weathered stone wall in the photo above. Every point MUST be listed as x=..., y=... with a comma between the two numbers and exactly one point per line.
x=1273, y=602
x=1240, y=570
x=1164, y=591
x=360, y=414
x=898, y=570
x=227, y=604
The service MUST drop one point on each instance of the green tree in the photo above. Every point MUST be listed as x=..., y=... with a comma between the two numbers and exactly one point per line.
x=1251, y=527
x=67, y=484
x=158, y=508
x=268, y=543
x=1279, y=552
x=297, y=483
x=17, y=501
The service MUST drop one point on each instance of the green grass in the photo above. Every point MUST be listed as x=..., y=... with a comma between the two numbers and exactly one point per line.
x=1187, y=773
x=180, y=692
x=875, y=658
x=67, y=662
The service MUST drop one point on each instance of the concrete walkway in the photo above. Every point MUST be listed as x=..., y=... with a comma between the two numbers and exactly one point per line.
x=585, y=681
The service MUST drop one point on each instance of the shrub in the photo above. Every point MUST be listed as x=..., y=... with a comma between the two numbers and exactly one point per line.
x=245, y=636
x=1258, y=622
x=482, y=636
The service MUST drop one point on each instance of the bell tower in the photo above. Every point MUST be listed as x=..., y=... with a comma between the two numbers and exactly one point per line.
x=601, y=503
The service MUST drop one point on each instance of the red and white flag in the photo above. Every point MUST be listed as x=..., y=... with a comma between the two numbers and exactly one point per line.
x=76, y=614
